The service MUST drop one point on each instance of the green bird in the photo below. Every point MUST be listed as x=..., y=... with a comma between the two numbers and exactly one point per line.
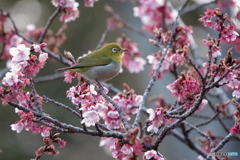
x=99, y=65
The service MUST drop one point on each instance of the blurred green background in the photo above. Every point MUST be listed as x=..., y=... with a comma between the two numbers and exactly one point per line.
x=83, y=35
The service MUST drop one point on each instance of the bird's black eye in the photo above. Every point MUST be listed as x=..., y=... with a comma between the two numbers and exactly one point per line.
x=114, y=50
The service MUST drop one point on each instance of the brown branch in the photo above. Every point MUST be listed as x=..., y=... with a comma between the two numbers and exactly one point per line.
x=220, y=145
x=50, y=20
x=67, y=128
x=204, y=123
x=48, y=78
x=201, y=133
x=63, y=106
x=182, y=139
x=104, y=36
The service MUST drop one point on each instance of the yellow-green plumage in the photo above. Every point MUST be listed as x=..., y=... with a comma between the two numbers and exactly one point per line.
x=100, y=65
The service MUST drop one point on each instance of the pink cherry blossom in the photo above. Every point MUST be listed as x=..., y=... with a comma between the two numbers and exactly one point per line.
x=152, y=12
x=70, y=9
x=45, y=133
x=112, y=119
x=131, y=59
x=89, y=3
x=10, y=79
x=68, y=76
x=184, y=88
x=108, y=141
x=127, y=102
x=20, y=53
x=157, y=118
x=236, y=93
x=90, y=118
x=17, y=126
x=15, y=40
x=236, y=128
x=43, y=57
x=215, y=20
x=61, y=143
x=152, y=155
x=127, y=149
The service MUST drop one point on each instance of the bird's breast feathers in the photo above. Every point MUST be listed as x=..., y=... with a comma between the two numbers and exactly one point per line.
x=102, y=73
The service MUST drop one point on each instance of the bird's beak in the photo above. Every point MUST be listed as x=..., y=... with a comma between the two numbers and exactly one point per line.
x=124, y=50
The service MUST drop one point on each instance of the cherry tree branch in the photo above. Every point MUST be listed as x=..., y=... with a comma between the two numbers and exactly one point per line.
x=201, y=133
x=104, y=36
x=191, y=145
x=66, y=128
x=48, y=78
x=204, y=123
x=50, y=20
x=159, y=65
x=220, y=145
x=63, y=106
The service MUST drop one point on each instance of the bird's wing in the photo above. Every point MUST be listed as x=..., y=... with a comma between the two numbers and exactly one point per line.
x=91, y=61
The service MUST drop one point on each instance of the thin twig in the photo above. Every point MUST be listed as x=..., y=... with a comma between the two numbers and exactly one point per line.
x=104, y=36
x=197, y=70
x=201, y=133
x=48, y=78
x=220, y=145
x=204, y=123
x=50, y=20
x=53, y=55
x=193, y=146
x=63, y=106
x=111, y=88
x=34, y=98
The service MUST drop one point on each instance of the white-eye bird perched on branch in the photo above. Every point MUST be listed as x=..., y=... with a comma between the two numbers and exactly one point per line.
x=99, y=65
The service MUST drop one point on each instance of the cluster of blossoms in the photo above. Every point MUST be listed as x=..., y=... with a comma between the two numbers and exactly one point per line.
x=89, y=3
x=54, y=41
x=185, y=90
x=93, y=106
x=176, y=56
x=128, y=102
x=120, y=150
x=131, y=59
x=8, y=38
x=23, y=66
x=235, y=129
x=152, y=155
x=231, y=79
x=70, y=8
x=215, y=19
x=89, y=101
x=154, y=14
x=49, y=147
x=214, y=49
x=158, y=118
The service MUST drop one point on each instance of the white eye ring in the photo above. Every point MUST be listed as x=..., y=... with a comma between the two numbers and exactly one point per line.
x=114, y=50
